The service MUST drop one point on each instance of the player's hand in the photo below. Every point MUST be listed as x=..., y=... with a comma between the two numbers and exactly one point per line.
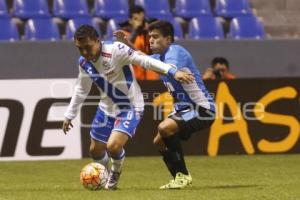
x=121, y=37
x=184, y=77
x=67, y=125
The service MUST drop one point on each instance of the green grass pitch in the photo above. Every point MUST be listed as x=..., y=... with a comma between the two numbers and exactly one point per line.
x=266, y=177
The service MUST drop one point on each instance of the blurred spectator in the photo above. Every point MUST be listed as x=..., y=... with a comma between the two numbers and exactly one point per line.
x=136, y=29
x=219, y=69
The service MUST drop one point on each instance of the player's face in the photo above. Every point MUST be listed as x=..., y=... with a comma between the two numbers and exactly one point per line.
x=158, y=43
x=88, y=48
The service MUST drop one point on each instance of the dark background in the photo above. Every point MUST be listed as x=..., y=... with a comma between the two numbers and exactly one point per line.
x=244, y=90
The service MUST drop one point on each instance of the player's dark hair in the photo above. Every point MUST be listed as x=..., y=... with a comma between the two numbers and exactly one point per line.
x=220, y=60
x=165, y=27
x=86, y=31
x=135, y=9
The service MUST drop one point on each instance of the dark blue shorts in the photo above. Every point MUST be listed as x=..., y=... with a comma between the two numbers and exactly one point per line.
x=191, y=120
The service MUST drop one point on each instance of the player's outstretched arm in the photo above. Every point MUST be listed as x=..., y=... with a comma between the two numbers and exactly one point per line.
x=153, y=64
x=163, y=68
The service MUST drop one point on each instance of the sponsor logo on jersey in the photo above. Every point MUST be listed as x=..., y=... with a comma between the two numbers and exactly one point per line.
x=106, y=65
x=107, y=55
x=117, y=122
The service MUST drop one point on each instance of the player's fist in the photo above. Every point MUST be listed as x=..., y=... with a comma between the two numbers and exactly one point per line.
x=67, y=125
x=184, y=77
x=121, y=36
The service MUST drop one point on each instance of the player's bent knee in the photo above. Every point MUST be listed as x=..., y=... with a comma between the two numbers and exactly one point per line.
x=162, y=129
x=93, y=152
x=114, y=148
x=157, y=140
x=165, y=130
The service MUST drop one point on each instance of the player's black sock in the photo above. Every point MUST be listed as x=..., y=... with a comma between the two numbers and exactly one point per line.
x=174, y=146
x=167, y=158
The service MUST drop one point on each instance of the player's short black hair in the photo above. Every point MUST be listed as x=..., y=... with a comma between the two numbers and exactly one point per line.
x=165, y=27
x=220, y=60
x=135, y=9
x=86, y=31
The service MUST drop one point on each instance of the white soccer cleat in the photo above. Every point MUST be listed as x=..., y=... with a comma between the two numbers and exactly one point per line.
x=113, y=179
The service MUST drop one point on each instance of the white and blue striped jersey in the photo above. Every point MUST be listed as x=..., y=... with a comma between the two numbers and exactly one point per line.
x=185, y=94
x=113, y=75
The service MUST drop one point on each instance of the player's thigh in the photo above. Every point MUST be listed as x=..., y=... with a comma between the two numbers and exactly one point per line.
x=97, y=146
x=168, y=127
x=117, y=140
x=124, y=128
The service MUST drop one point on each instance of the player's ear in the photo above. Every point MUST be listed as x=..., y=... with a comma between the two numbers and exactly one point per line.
x=130, y=20
x=169, y=39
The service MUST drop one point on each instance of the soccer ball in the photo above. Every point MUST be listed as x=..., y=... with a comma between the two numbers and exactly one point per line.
x=93, y=176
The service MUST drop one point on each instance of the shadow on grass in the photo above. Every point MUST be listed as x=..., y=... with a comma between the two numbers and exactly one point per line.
x=138, y=188
x=41, y=190
x=194, y=188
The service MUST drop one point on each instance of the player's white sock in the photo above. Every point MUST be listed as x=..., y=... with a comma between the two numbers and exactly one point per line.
x=117, y=162
x=102, y=160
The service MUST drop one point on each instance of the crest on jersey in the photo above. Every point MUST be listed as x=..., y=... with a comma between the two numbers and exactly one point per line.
x=108, y=70
x=106, y=65
x=107, y=55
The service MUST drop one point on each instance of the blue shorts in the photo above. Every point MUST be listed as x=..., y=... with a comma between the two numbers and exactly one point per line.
x=126, y=122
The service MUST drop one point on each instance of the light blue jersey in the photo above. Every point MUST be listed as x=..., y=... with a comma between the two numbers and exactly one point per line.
x=185, y=95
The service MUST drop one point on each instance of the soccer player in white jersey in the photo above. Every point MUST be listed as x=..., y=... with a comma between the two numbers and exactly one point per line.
x=108, y=66
x=194, y=108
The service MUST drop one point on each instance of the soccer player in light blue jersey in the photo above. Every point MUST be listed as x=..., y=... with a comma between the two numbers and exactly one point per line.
x=107, y=64
x=194, y=108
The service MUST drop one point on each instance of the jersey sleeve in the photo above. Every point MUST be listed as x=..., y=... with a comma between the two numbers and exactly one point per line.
x=178, y=58
x=127, y=55
x=81, y=90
